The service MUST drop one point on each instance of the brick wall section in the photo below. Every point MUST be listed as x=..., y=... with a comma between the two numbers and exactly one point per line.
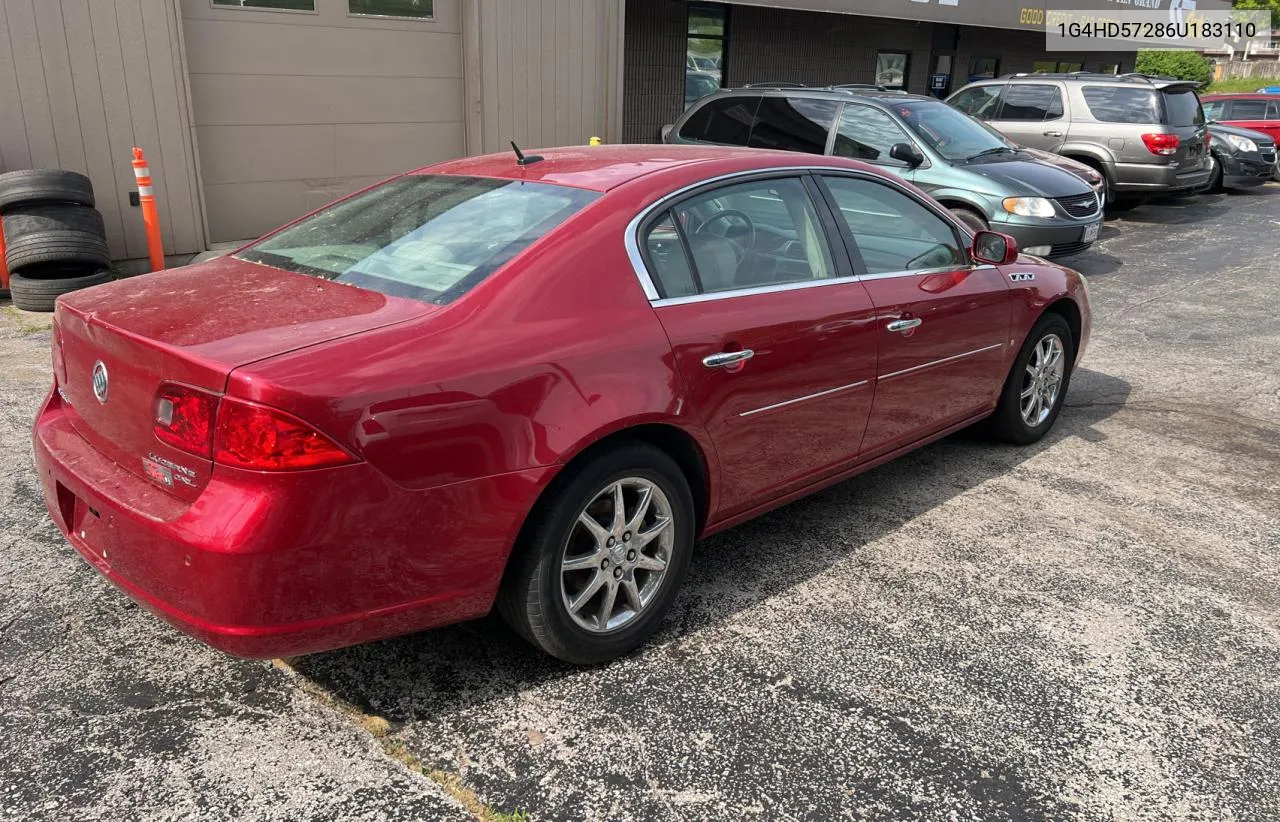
x=820, y=49
x=782, y=45
x=653, y=67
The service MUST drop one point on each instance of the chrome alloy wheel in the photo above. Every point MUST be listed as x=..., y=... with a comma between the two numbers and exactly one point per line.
x=1042, y=380
x=617, y=555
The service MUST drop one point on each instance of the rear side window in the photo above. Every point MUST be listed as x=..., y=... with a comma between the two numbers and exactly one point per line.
x=795, y=124
x=1249, y=110
x=726, y=120
x=979, y=101
x=1032, y=102
x=426, y=237
x=1116, y=104
x=1214, y=110
x=1183, y=108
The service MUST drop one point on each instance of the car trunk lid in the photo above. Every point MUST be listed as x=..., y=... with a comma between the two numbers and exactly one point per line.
x=191, y=326
x=1185, y=118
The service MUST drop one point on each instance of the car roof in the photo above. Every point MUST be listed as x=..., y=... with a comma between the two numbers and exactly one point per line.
x=1239, y=95
x=601, y=168
x=847, y=92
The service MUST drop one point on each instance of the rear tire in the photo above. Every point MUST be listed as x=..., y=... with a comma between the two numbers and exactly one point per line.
x=561, y=557
x=40, y=293
x=44, y=185
x=971, y=218
x=1037, y=384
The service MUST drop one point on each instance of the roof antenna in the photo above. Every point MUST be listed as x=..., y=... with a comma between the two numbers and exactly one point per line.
x=522, y=160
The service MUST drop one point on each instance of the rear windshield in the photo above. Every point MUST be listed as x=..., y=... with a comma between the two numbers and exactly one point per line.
x=1183, y=108
x=427, y=237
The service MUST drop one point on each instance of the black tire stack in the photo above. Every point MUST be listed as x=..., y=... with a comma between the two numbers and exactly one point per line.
x=54, y=238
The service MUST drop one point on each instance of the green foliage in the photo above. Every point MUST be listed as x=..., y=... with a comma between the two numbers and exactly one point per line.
x=1184, y=65
x=1238, y=84
x=1267, y=5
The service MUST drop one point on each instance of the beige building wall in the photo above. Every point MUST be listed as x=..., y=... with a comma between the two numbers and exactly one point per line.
x=542, y=72
x=81, y=83
x=293, y=109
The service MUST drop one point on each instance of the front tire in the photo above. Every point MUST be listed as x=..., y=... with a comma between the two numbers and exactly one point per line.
x=603, y=556
x=1037, y=384
x=971, y=218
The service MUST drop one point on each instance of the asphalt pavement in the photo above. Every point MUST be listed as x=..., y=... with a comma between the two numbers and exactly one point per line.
x=1085, y=629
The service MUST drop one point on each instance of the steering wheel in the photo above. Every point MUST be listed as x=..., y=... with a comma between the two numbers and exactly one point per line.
x=731, y=214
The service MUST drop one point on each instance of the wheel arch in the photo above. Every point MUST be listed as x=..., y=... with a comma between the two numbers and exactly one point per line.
x=672, y=440
x=1066, y=308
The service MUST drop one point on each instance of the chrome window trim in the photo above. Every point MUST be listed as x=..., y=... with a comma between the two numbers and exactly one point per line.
x=952, y=358
x=805, y=398
x=631, y=238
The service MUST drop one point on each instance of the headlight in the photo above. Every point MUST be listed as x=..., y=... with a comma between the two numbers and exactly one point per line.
x=1029, y=206
x=1242, y=143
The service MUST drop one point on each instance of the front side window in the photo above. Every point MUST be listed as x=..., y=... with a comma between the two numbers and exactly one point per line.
x=706, y=50
x=727, y=120
x=1273, y=110
x=867, y=133
x=426, y=237
x=1032, y=102
x=893, y=232
x=950, y=133
x=748, y=235
x=979, y=101
x=288, y=5
x=1116, y=104
x=893, y=69
x=421, y=9
x=794, y=124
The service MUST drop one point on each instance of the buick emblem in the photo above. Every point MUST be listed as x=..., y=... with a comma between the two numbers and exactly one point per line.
x=100, y=383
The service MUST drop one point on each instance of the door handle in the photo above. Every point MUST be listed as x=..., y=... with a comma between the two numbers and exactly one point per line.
x=727, y=358
x=1053, y=134
x=905, y=325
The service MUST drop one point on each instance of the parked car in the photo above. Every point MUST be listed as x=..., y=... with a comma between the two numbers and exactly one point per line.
x=536, y=384
x=985, y=180
x=1256, y=112
x=1146, y=136
x=1242, y=158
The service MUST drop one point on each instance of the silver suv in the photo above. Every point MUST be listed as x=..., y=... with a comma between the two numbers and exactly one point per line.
x=1146, y=135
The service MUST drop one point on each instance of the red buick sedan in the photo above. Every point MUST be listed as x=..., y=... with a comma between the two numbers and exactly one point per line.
x=531, y=385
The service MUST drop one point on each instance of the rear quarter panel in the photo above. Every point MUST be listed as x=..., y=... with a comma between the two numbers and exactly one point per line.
x=546, y=356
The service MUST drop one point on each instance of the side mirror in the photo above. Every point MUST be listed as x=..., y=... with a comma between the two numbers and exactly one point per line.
x=906, y=153
x=994, y=248
x=666, y=130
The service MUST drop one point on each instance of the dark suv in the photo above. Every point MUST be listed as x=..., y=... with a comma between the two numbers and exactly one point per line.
x=1146, y=135
x=1050, y=205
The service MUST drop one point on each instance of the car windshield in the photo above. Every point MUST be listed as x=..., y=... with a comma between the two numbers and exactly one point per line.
x=426, y=237
x=949, y=132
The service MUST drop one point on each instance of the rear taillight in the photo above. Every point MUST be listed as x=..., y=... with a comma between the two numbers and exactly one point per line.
x=265, y=439
x=184, y=418
x=1162, y=144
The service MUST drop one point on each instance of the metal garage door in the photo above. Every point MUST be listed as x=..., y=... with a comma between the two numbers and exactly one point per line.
x=292, y=108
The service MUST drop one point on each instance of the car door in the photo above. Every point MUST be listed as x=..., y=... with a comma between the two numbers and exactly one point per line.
x=773, y=337
x=1033, y=115
x=1258, y=115
x=942, y=323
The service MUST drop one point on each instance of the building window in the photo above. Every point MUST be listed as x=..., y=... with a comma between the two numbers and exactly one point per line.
x=706, y=50
x=892, y=69
x=1067, y=68
x=420, y=9
x=1044, y=67
x=984, y=68
x=1109, y=68
x=283, y=5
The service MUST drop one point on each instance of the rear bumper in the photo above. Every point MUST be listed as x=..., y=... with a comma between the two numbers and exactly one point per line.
x=267, y=565
x=1152, y=178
